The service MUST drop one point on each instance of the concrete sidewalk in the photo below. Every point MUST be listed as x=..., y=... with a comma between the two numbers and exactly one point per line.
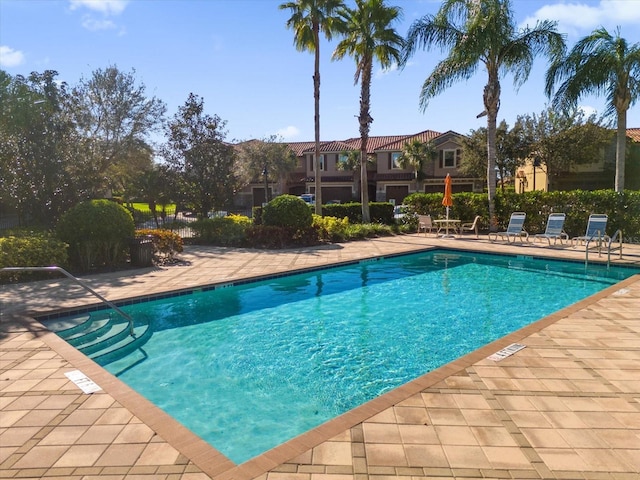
x=566, y=407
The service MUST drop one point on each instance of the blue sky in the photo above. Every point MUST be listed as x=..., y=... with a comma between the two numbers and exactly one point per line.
x=239, y=57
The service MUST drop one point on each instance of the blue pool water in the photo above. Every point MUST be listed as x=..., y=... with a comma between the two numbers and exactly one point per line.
x=248, y=367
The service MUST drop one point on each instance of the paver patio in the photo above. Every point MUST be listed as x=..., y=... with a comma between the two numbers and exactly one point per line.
x=565, y=407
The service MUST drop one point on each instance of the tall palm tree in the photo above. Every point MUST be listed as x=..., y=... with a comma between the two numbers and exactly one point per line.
x=600, y=63
x=417, y=155
x=368, y=36
x=481, y=33
x=308, y=19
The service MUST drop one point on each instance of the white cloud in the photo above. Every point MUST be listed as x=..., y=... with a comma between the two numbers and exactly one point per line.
x=288, y=133
x=94, y=25
x=106, y=7
x=579, y=18
x=97, y=19
x=10, y=57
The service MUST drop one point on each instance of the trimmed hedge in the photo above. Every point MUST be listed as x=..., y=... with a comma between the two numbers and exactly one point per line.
x=623, y=209
x=98, y=233
x=380, y=212
x=287, y=211
x=224, y=231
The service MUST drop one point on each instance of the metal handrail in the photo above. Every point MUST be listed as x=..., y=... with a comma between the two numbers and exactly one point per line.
x=611, y=240
x=79, y=282
x=586, y=248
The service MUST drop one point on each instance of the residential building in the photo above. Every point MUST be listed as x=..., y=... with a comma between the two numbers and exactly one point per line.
x=597, y=175
x=387, y=180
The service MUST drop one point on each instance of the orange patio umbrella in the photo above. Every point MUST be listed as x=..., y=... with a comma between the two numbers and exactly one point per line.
x=447, y=201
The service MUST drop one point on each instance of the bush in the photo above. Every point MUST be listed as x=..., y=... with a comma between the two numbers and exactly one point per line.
x=331, y=229
x=287, y=211
x=623, y=209
x=98, y=233
x=165, y=242
x=274, y=237
x=31, y=249
x=225, y=231
x=380, y=212
x=368, y=230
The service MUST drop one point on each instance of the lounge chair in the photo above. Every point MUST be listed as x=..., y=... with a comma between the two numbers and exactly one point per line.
x=596, y=227
x=554, y=229
x=515, y=228
x=425, y=223
x=471, y=226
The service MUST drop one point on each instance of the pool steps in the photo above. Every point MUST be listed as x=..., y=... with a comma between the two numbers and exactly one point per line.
x=100, y=336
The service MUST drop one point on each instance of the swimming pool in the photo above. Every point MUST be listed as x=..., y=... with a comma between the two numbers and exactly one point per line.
x=247, y=367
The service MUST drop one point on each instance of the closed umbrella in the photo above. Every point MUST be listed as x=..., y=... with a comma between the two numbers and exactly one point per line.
x=447, y=200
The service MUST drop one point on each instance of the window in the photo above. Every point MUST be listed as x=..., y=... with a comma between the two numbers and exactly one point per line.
x=322, y=163
x=343, y=159
x=449, y=159
x=395, y=160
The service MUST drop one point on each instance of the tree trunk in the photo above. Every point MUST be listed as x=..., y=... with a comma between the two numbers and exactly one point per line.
x=621, y=146
x=492, y=104
x=365, y=120
x=316, y=119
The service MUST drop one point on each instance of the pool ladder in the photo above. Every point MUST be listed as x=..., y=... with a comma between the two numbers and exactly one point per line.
x=608, y=242
x=79, y=282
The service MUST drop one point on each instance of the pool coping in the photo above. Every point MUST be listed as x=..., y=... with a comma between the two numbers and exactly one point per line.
x=216, y=465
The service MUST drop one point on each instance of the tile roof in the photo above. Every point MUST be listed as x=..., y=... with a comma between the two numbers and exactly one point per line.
x=634, y=134
x=426, y=136
x=375, y=143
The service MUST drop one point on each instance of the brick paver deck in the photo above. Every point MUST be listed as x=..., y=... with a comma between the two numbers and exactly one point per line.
x=565, y=407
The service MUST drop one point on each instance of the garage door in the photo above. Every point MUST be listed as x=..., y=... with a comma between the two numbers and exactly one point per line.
x=397, y=193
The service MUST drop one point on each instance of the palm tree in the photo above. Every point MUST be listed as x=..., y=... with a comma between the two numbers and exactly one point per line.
x=417, y=155
x=350, y=162
x=481, y=32
x=308, y=19
x=600, y=63
x=368, y=36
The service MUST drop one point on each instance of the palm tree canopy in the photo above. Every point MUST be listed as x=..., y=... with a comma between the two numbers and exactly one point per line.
x=417, y=155
x=479, y=32
x=600, y=63
x=310, y=16
x=369, y=35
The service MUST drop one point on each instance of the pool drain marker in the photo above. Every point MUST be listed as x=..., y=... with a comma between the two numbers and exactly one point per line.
x=506, y=352
x=83, y=382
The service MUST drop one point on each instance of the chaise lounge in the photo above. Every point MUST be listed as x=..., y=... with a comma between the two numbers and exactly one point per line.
x=554, y=229
x=515, y=228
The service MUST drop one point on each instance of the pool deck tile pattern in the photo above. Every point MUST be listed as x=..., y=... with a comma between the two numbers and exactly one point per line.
x=565, y=407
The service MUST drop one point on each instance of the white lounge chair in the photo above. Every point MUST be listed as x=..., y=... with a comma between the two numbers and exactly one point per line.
x=596, y=230
x=425, y=223
x=471, y=226
x=554, y=229
x=515, y=228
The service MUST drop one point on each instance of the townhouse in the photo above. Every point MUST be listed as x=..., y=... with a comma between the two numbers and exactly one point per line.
x=387, y=180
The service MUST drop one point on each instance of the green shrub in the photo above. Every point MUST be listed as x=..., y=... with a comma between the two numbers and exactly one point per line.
x=224, y=231
x=368, y=230
x=331, y=229
x=351, y=210
x=31, y=249
x=380, y=212
x=287, y=211
x=98, y=233
x=275, y=237
x=623, y=209
x=165, y=242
